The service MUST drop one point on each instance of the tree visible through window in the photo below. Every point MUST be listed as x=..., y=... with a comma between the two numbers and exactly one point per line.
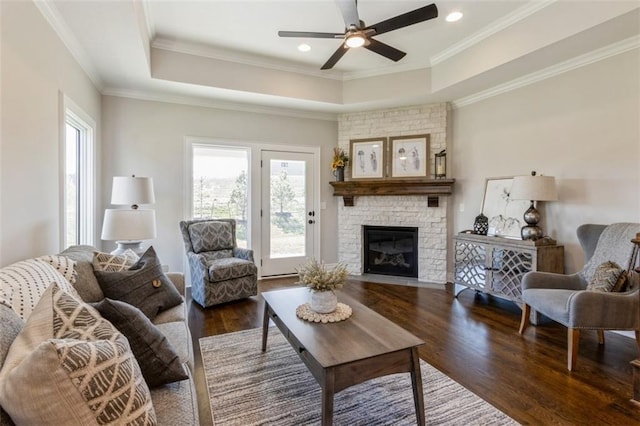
x=220, y=185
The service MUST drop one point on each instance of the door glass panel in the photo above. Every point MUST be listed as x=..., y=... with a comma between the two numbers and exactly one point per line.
x=288, y=209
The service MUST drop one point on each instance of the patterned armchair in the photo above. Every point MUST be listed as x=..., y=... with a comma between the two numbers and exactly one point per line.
x=220, y=271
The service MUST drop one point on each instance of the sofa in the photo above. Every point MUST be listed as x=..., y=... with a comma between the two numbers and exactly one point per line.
x=174, y=403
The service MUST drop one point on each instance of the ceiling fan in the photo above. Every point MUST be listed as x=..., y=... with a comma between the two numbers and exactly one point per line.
x=356, y=34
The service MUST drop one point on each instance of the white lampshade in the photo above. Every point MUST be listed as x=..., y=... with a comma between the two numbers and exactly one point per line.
x=534, y=188
x=130, y=190
x=128, y=224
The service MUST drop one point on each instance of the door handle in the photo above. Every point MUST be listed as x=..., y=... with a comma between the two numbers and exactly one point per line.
x=312, y=213
x=311, y=222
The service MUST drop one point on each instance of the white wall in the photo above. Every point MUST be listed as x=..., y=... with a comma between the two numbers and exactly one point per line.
x=35, y=67
x=583, y=127
x=148, y=139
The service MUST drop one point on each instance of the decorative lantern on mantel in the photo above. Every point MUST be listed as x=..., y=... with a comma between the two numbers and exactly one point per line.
x=441, y=165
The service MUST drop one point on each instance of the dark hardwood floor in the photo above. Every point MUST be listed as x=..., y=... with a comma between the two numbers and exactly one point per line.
x=474, y=340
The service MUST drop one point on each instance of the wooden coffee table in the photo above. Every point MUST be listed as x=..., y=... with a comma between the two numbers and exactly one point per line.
x=343, y=354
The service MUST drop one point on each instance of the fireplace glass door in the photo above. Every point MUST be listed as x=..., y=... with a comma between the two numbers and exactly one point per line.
x=391, y=250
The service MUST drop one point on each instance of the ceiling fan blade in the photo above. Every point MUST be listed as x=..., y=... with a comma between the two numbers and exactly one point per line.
x=335, y=57
x=385, y=50
x=349, y=10
x=406, y=19
x=306, y=34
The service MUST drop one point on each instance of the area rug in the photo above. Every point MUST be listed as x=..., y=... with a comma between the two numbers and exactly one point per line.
x=249, y=387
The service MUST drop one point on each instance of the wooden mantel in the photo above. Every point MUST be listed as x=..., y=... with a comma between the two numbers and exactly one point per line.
x=432, y=188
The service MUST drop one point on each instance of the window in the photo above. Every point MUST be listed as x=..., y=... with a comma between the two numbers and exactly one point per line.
x=79, y=177
x=220, y=185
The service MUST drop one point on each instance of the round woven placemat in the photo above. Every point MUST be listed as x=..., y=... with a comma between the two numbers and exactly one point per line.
x=341, y=313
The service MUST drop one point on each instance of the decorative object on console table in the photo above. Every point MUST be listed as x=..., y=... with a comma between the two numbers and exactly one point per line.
x=339, y=162
x=533, y=188
x=496, y=265
x=367, y=158
x=129, y=226
x=501, y=209
x=409, y=156
x=481, y=224
x=440, y=162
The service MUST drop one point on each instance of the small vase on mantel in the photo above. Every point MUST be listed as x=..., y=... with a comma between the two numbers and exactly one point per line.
x=323, y=302
x=339, y=174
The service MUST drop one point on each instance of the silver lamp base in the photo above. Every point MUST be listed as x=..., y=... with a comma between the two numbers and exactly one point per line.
x=123, y=246
x=531, y=231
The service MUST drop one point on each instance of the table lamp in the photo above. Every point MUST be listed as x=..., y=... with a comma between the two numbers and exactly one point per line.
x=533, y=188
x=129, y=226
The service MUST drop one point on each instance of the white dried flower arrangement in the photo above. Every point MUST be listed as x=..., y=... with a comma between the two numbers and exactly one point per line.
x=316, y=276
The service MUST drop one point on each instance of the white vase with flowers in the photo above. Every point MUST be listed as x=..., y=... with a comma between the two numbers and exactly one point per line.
x=322, y=282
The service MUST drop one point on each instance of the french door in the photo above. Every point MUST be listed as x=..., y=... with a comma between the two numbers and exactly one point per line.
x=287, y=215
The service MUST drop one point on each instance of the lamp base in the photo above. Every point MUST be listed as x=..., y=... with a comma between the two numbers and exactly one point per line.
x=531, y=231
x=123, y=246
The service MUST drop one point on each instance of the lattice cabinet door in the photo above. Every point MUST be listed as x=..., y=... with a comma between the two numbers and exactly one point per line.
x=507, y=269
x=471, y=264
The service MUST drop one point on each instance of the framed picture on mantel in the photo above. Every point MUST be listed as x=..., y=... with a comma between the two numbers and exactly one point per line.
x=367, y=158
x=409, y=156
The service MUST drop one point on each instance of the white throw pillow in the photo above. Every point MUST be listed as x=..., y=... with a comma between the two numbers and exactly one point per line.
x=28, y=280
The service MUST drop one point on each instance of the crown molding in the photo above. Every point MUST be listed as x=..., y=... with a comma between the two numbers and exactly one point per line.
x=552, y=71
x=274, y=64
x=240, y=58
x=216, y=104
x=491, y=29
x=52, y=16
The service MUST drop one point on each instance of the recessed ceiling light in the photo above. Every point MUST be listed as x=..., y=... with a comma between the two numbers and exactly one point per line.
x=453, y=16
x=304, y=47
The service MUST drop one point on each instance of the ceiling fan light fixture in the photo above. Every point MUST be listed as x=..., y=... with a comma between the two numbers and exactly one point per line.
x=304, y=47
x=355, y=39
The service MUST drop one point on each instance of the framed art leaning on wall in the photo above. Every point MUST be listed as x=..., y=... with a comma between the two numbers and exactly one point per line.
x=367, y=158
x=504, y=213
x=409, y=156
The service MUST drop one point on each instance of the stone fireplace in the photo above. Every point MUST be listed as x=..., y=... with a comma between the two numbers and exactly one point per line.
x=396, y=210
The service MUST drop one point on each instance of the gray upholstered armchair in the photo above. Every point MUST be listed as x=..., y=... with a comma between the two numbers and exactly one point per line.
x=220, y=271
x=564, y=298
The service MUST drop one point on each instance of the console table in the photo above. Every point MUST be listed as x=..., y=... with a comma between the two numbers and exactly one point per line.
x=495, y=265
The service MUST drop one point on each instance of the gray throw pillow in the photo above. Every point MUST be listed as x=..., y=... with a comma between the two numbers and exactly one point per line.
x=158, y=360
x=144, y=286
x=11, y=326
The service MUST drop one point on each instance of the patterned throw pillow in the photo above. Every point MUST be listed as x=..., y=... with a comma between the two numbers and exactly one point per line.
x=28, y=280
x=114, y=262
x=11, y=326
x=605, y=277
x=70, y=366
x=159, y=362
x=62, y=264
x=622, y=283
x=144, y=286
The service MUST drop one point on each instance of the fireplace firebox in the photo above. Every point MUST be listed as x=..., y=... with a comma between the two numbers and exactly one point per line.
x=391, y=250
